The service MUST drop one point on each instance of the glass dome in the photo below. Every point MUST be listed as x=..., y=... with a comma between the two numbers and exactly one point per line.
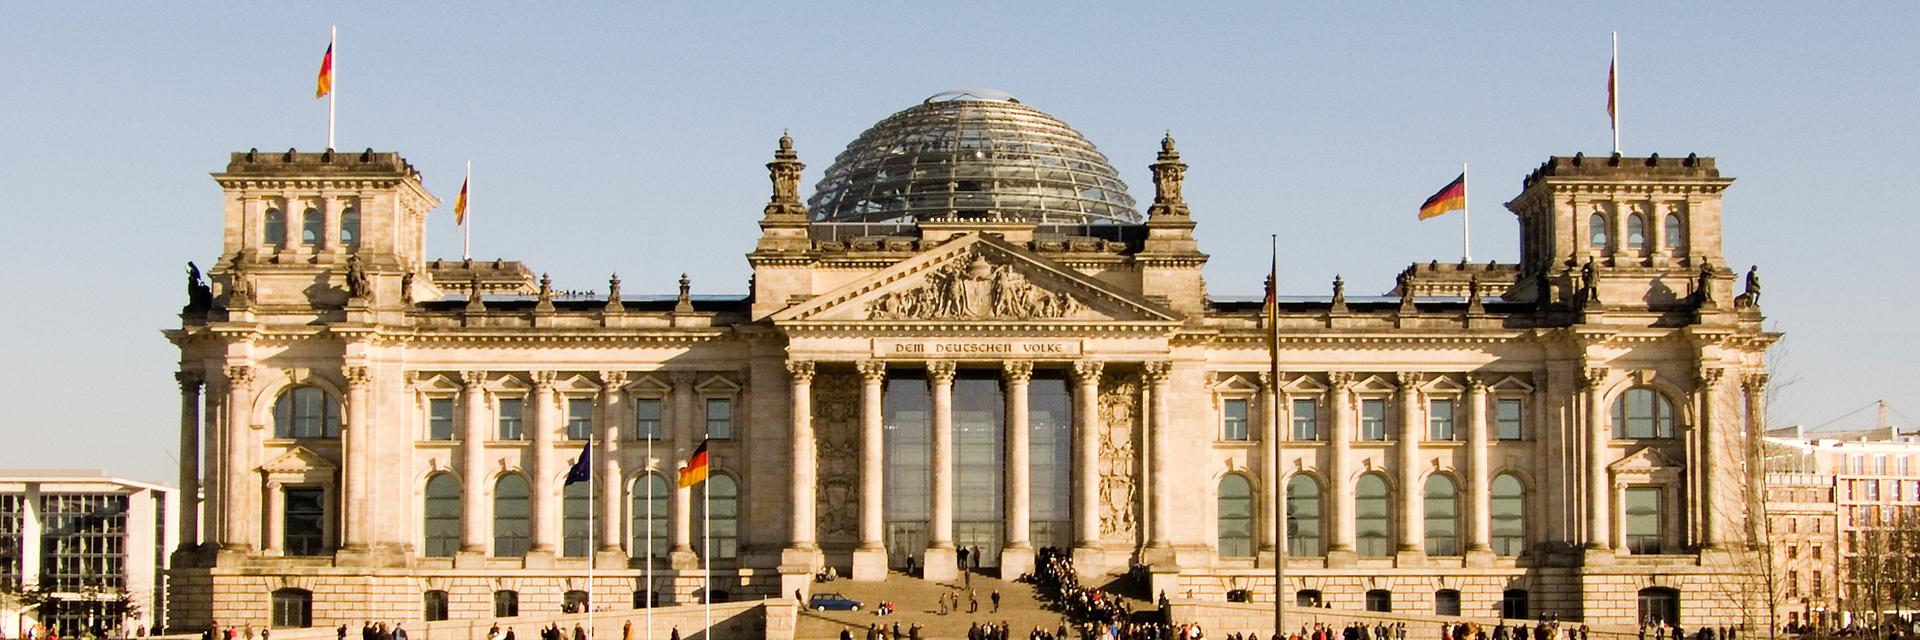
x=972, y=154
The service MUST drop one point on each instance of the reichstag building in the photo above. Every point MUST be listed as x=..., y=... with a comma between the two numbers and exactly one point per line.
x=968, y=336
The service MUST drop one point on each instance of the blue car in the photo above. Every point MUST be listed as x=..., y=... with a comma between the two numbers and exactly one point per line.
x=832, y=602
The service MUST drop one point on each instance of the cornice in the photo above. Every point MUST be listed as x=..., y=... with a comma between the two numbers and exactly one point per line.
x=1006, y=328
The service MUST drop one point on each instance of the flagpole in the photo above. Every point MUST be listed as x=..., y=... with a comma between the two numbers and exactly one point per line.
x=466, y=225
x=649, y=568
x=333, y=76
x=1466, y=218
x=1615, y=81
x=1273, y=396
x=592, y=550
x=706, y=549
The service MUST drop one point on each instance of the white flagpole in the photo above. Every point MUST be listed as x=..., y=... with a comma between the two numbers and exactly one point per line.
x=333, y=79
x=466, y=219
x=593, y=550
x=706, y=545
x=649, y=567
x=1615, y=80
x=1466, y=218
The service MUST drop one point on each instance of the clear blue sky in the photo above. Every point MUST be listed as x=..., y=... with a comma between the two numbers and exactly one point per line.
x=632, y=139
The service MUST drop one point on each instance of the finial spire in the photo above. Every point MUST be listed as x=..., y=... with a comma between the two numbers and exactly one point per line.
x=1168, y=174
x=785, y=173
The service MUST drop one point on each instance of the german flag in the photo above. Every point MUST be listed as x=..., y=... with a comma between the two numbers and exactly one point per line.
x=326, y=75
x=696, y=470
x=1452, y=197
x=460, y=205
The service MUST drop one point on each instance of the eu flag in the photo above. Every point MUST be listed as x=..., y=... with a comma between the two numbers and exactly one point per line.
x=582, y=470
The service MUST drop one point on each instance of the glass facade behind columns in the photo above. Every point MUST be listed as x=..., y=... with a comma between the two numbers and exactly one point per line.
x=907, y=453
x=979, y=464
x=1050, y=461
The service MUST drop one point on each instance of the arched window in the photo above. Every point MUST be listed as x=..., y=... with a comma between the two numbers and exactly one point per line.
x=1303, y=516
x=1236, y=517
x=575, y=538
x=1597, y=232
x=434, y=605
x=1676, y=234
x=1513, y=604
x=722, y=501
x=1642, y=413
x=442, y=526
x=1660, y=604
x=1442, y=517
x=1446, y=602
x=1379, y=600
x=510, y=517
x=1370, y=516
x=306, y=412
x=276, y=228
x=1508, y=506
x=506, y=604
x=292, y=608
x=650, y=498
x=313, y=227
x=1636, y=232
x=350, y=226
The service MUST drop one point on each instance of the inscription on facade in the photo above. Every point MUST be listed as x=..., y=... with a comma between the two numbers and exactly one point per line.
x=967, y=348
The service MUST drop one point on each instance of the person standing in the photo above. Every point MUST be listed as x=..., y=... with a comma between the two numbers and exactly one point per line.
x=996, y=600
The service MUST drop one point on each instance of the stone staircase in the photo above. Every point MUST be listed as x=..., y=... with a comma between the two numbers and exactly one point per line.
x=917, y=601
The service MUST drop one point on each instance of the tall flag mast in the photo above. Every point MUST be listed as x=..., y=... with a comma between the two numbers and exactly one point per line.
x=324, y=88
x=582, y=471
x=695, y=473
x=460, y=215
x=1279, y=504
x=1613, y=92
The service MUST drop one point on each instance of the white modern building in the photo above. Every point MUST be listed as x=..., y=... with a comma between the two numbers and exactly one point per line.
x=83, y=551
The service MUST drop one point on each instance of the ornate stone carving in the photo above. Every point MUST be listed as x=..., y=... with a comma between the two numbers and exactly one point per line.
x=1408, y=380
x=1593, y=377
x=1156, y=372
x=941, y=372
x=801, y=370
x=1168, y=175
x=189, y=380
x=836, y=425
x=1755, y=382
x=1016, y=371
x=974, y=288
x=1119, y=491
x=1476, y=381
x=785, y=172
x=199, y=293
x=239, y=374
x=358, y=285
x=1087, y=370
x=541, y=379
x=239, y=283
x=356, y=376
x=1339, y=379
x=612, y=380
x=1710, y=377
x=872, y=370
x=473, y=379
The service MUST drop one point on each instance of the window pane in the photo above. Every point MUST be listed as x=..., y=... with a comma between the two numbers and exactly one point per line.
x=1373, y=420
x=511, y=425
x=575, y=540
x=442, y=524
x=1507, y=507
x=276, y=228
x=510, y=517
x=719, y=418
x=1370, y=516
x=1507, y=415
x=1303, y=516
x=650, y=504
x=1643, y=519
x=506, y=604
x=312, y=226
x=1306, y=422
x=1236, y=517
x=1442, y=517
x=440, y=419
x=724, y=519
x=646, y=419
x=1440, y=420
x=1676, y=236
x=1233, y=419
x=1597, y=232
x=1636, y=232
x=579, y=419
x=1446, y=602
x=350, y=227
x=304, y=519
x=435, y=605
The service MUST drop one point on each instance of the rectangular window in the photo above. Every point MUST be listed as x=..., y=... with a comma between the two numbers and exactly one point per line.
x=303, y=517
x=579, y=419
x=313, y=226
x=646, y=418
x=511, y=425
x=1817, y=590
x=1643, y=520
x=83, y=542
x=1440, y=420
x=350, y=226
x=1373, y=420
x=1873, y=490
x=1306, y=421
x=1233, y=419
x=12, y=509
x=1880, y=465
x=719, y=418
x=1507, y=419
x=1906, y=466
x=440, y=419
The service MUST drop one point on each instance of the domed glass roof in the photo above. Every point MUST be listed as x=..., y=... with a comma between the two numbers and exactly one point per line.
x=972, y=155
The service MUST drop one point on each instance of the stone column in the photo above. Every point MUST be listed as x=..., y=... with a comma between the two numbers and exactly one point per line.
x=237, y=445
x=1707, y=387
x=357, y=445
x=1413, y=524
x=330, y=225
x=1339, y=468
x=870, y=558
x=276, y=517
x=940, y=559
x=800, y=526
x=1086, y=460
x=1480, y=506
x=611, y=477
x=473, y=470
x=1016, y=557
x=546, y=510
x=681, y=556
x=190, y=384
x=1599, y=504
x=1266, y=507
x=1161, y=469
x=1755, y=385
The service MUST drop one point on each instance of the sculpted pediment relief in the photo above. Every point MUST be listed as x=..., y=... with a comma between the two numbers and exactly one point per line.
x=977, y=278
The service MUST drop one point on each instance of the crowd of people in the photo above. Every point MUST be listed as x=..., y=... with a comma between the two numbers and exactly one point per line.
x=1096, y=613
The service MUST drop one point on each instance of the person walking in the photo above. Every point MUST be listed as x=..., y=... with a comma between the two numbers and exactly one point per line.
x=399, y=632
x=996, y=600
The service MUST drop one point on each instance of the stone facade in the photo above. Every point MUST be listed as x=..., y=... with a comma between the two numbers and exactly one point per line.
x=1581, y=436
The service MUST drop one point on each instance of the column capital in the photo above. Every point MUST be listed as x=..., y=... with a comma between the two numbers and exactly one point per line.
x=189, y=380
x=1755, y=382
x=611, y=381
x=801, y=370
x=1339, y=379
x=1016, y=371
x=941, y=372
x=239, y=374
x=1087, y=370
x=1265, y=380
x=542, y=379
x=1593, y=377
x=1477, y=382
x=872, y=370
x=1709, y=377
x=1409, y=380
x=473, y=379
x=356, y=375
x=1156, y=371
x=681, y=380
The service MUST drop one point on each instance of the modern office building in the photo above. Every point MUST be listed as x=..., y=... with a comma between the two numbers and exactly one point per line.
x=1844, y=514
x=82, y=551
x=970, y=336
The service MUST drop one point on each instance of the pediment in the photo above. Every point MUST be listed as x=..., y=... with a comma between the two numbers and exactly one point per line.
x=1304, y=385
x=1510, y=384
x=1444, y=385
x=299, y=460
x=1237, y=383
x=977, y=278
x=1374, y=384
x=1644, y=460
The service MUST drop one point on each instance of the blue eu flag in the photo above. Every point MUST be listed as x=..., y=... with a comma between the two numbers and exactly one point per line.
x=582, y=470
